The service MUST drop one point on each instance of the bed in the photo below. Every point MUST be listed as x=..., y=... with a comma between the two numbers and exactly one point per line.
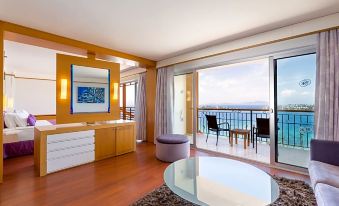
x=19, y=141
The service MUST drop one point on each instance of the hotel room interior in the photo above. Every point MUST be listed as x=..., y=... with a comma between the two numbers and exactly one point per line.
x=144, y=102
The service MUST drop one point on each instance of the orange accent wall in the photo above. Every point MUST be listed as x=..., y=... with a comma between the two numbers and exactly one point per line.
x=63, y=114
x=151, y=81
x=1, y=97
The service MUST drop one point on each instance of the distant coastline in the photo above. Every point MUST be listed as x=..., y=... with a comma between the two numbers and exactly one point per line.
x=258, y=106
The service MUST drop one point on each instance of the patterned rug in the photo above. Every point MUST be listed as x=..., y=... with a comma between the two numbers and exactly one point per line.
x=292, y=193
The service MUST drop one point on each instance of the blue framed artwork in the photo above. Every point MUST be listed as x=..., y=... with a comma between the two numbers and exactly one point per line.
x=90, y=88
x=89, y=95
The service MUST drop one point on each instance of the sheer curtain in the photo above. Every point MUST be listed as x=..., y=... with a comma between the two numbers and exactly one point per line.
x=140, y=108
x=164, y=102
x=327, y=86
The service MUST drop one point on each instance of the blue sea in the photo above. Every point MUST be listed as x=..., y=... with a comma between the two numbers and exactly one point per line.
x=294, y=128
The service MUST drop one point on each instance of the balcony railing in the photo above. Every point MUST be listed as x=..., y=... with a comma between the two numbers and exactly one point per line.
x=295, y=128
x=127, y=113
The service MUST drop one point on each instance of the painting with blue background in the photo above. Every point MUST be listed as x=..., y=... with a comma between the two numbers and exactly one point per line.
x=91, y=95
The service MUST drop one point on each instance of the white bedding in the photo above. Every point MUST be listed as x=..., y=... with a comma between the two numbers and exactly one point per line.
x=22, y=133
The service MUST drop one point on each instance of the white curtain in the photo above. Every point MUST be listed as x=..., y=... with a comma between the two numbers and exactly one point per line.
x=327, y=86
x=9, y=92
x=140, y=108
x=164, y=102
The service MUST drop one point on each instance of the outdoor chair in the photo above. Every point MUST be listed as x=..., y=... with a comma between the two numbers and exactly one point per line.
x=262, y=131
x=214, y=126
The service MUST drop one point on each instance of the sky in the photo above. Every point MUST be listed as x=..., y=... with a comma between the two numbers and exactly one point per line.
x=291, y=73
x=241, y=83
x=248, y=83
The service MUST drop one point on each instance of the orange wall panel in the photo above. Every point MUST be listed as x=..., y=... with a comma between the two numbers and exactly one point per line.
x=63, y=114
x=1, y=97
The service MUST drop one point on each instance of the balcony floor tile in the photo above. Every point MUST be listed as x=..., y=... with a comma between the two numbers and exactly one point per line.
x=289, y=155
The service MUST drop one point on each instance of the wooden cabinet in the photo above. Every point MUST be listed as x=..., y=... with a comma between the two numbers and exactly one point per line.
x=125, y=139
x=105, y=143
x=57, y=147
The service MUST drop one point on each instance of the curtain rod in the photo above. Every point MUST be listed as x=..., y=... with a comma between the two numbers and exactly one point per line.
x=32, y=78
x=134, y=74
x=45, y=79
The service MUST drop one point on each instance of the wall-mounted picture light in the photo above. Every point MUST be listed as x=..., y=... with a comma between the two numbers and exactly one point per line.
x=63, y=92
x=115, y=91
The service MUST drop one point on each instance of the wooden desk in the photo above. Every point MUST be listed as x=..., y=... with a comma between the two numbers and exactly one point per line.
x=244, y=132
x=58, y=147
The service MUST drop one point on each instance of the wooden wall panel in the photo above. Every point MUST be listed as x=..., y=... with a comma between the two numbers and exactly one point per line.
x=45, y=116
x=1, y=97
x=151, y=81
x=63, y=114
x=189, y=103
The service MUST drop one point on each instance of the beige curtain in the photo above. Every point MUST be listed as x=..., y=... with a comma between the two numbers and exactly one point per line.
x=327, y=86
x=164, y=102
x=140, y=108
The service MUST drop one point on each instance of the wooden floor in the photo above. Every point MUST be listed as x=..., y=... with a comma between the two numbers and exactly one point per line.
x=116, y=181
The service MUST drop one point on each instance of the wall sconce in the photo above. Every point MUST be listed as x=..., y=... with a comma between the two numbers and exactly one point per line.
x=188, y=96
x=115, y=91
x=63, y=92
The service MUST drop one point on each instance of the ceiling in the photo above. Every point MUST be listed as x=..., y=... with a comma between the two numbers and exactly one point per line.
x=161, y=29
x=23, y=59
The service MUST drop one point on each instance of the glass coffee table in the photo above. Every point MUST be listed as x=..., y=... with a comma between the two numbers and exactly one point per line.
x=220, y=181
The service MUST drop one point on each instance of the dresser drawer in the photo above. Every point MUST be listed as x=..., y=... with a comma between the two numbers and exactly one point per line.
x=69, y=136
x=70, y=151
x=69, y=161
x=69, y=144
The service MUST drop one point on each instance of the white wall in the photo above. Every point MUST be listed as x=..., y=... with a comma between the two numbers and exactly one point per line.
x=277, y=34
x=179, y=117
x=35, y=96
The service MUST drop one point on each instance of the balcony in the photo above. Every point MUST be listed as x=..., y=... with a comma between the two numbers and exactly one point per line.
x=295, y=131
x=127, y=113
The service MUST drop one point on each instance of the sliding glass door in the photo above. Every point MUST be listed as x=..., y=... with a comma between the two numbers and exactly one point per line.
x=294, y=102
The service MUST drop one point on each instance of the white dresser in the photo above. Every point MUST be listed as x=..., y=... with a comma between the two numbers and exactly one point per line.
x=71, y=149
x=62, y=146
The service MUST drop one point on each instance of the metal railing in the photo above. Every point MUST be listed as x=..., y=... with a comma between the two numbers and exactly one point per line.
x=295, y=128
x=127, y=113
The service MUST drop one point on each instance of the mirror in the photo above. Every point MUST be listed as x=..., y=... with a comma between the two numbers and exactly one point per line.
x=90, y=90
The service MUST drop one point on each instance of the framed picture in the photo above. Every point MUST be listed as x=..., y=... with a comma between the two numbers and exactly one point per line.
x=90, y=95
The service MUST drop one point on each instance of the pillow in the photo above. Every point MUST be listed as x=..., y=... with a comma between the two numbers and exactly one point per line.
x=22, y=113
x=31, y=120
x=9, y=119
x=21, y=119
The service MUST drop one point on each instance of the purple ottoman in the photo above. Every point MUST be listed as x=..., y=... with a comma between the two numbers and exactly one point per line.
x=172, y=147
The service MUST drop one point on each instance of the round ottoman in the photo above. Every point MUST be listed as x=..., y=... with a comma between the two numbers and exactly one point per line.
x=172, y=147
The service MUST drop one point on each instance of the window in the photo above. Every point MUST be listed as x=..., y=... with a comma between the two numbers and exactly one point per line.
x=128, y=93
x=236, y=86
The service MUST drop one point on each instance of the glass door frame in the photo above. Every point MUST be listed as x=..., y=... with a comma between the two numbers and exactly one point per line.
x=273, y=107
x=194, y=102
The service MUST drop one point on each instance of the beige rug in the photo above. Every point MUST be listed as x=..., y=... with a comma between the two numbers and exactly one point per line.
x=292, y=193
